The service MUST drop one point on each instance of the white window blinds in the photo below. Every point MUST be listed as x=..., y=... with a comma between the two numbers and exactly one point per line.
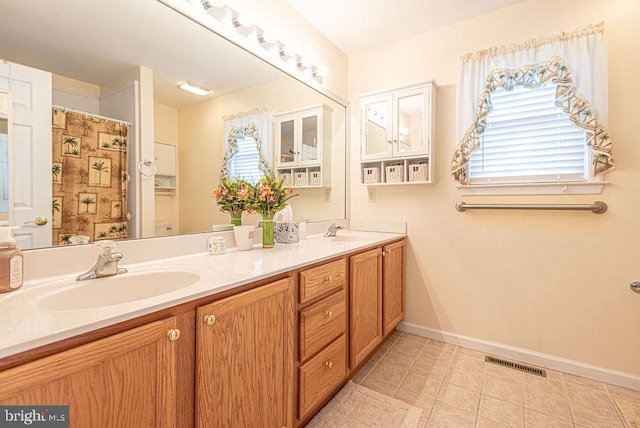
x=245, y=163
x=529, y=139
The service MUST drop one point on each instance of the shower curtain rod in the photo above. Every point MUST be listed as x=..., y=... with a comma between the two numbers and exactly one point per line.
x=96, y=116
x=598, y=207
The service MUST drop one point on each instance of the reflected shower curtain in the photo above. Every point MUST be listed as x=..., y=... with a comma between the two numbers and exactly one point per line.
x=89, y=178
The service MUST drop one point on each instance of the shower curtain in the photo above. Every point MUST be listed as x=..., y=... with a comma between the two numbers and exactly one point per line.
x=89, y=178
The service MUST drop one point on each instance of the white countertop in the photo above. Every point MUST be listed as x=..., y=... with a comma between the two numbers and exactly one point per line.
x=25, y=325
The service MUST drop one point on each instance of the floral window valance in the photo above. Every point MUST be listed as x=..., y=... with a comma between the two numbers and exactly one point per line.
x=572, y=102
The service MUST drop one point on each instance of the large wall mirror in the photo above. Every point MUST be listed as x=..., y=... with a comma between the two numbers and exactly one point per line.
x=115, y=120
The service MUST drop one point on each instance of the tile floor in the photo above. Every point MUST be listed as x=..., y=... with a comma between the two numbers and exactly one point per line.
x=456, y=388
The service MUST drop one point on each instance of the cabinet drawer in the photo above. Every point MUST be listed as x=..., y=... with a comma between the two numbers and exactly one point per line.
x=321, y=323
x=321, y=374
x=322, y=279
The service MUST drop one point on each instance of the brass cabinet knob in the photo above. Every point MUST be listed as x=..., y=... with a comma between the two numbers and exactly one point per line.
x=209, y=319
x=173, y=334
x=329, y=364
x=329, y=279
x=328, y=314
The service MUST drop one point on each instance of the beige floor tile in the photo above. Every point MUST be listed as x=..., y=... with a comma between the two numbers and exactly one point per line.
x=630, y=411
x=501, y=411
x=416, y=399
x=409, y=347
x=436, y=354
x=503, y=373
x=380, y=386
x=533, y=419
x=470, y=353
x=588, y=383
x=394, y=356
x=511, y=392
x=627, y=394
x=548, y=403
x=359, y=377
x=483, y=422
x=591, y=407
x=459, y=397
x=446, y=416
x=389, y=373
x=542, y=384
x=465, y=379
x=467, y=362
x=430, y=368
x=553, y=374
x=421, y=384
x=441, y=345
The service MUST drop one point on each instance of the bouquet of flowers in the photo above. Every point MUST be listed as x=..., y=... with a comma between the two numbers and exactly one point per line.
x=234, y=196
x=270, y=196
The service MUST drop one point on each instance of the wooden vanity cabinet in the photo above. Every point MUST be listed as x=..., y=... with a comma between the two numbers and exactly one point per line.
x=322, y=334
x=245, y=359
x=376, y=298
x=126, y=380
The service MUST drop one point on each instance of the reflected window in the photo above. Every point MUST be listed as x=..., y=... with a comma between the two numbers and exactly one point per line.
x=245, y=164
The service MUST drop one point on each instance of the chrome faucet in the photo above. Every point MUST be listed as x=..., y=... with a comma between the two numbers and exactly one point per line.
x=107, y=263
x=333, y=229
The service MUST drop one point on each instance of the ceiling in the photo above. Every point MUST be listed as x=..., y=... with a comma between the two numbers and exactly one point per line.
x=359, y=25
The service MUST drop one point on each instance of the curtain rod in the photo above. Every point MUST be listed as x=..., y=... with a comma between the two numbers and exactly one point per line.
x=598, y=207
x=96, y=116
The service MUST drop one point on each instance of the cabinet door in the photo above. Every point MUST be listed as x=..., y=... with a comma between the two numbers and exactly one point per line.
x=411, y=122
x=375, y=124
x=392, y=285
x=126, y=380
x=310, y=137
x=286, y=151
x=165, y=156
x=366, y=304
x=244, y=359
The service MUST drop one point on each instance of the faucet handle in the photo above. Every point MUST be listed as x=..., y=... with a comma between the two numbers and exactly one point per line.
x=106, y=246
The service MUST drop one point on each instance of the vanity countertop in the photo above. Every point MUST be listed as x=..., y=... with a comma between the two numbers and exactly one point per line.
x=25, y=323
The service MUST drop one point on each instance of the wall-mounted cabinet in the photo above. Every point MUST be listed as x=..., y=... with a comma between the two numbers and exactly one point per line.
x=397, y=129
x=165, y=160
x=303, y=146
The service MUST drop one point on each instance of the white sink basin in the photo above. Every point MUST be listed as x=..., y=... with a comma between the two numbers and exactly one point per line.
x=347, y=238
x=115, y=290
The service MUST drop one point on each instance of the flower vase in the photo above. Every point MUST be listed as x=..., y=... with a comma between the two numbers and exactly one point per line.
x=268, y=239
x=236, y=218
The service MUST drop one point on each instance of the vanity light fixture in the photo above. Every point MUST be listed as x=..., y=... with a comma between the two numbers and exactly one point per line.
x=232, y=19
x=194, y=88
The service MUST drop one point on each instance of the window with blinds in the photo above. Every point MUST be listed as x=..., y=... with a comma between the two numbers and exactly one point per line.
x=529, y=139
x=245, y=163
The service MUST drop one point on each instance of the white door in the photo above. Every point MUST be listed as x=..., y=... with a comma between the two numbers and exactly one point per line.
x=29, y=153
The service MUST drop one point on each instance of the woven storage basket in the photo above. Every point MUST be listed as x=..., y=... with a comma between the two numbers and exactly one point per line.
x=418, y=172
x=394, y=174
x=371, y=175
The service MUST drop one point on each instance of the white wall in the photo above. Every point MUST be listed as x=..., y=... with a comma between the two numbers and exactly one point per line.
x=551, y=282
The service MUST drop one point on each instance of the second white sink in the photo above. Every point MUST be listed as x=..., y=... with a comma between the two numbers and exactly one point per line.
x=115, y=290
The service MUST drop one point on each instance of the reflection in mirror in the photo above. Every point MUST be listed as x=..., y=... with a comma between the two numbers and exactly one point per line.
x=410, y=122
x=125, y=74
x=4, y=157
x=377, y=127
x=244, y=157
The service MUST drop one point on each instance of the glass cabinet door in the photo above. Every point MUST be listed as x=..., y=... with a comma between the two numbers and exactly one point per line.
x=309, y=149
x=376, y=128
x=410, y=124
x=287, y=133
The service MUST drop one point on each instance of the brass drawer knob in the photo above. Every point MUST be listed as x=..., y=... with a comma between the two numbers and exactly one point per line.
x=329, y=364
x=209, y=319
x=328, y=314
x=173, y=334
x=329, y=279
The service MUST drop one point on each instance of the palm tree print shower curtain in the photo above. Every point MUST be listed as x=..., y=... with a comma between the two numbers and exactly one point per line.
x=89, y=174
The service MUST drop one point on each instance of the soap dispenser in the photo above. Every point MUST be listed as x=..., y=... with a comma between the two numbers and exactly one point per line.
x=11, y=261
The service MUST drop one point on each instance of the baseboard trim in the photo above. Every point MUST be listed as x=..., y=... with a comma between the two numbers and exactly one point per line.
x=551, y=362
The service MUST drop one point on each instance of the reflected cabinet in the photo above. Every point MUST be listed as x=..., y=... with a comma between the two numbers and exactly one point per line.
x=303, y=146
x=397, y=134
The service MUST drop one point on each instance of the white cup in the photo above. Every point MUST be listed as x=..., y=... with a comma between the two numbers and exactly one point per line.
x=244, y=237
x=216, y=245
